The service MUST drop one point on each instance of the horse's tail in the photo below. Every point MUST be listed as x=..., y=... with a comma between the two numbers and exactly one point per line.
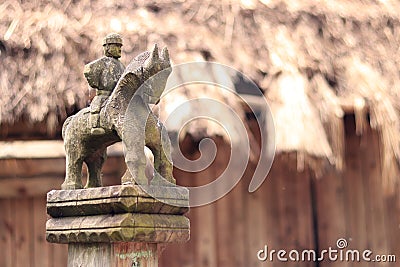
x=65, y=125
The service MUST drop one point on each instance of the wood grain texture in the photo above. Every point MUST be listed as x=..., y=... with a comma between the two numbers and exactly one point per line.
x=129, y=227
x=330, y=212
x=7, y=230
x=23, y=246
x=41, y=248
x=114, y=255
x=42, y=149
x=118, y=199
x=376, y=215
x=59, y=257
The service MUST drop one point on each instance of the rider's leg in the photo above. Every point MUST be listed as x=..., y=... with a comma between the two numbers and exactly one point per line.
x=94, y=118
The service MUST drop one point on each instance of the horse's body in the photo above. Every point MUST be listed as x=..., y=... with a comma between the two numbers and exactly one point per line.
x=143, y=128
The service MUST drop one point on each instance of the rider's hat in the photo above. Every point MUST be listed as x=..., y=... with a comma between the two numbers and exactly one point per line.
x=112, y=38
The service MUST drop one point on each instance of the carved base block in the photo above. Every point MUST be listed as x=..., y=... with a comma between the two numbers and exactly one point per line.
x=123, y=213
x=118, y=199
x=128, y=227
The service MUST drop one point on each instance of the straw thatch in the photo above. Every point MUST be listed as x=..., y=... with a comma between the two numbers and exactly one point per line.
x=315, y=60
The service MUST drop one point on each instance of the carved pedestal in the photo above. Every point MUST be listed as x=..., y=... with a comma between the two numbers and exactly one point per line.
x=117, y=225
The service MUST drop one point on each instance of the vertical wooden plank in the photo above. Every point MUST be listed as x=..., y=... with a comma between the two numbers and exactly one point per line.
x=304, y=206
x=171, y=255
x=51, y=254
x=271, y=206
x=206, y=254
x=287, y=201
x=176, y=255
x=238, y=236
x=330, y=211
x=40, y=246
x=374, y=195
x=224, y=233
x=187, y=250
x=255, y=235
x=392, y=212
x=6, y=233
x=60, y=255
x=23, y=232
x=188, y=255
x=286, y=211
x=288, y=206
x=354, y=192
x=261, y=212
x=230, y=218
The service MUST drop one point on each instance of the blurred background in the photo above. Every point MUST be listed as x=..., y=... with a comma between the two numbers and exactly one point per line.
x=328, y=69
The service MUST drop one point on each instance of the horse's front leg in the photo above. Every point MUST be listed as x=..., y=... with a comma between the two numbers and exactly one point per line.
x=158, y=141
x=133, y=138
x=73, y=172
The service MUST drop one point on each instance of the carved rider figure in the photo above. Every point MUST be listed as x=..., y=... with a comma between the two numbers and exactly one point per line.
x=103, y=75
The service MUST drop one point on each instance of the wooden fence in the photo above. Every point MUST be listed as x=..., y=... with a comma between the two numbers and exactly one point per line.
x=296, y=210
x=291, y=210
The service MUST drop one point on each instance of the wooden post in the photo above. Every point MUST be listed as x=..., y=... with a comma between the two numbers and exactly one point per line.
x=119, y=254
x=118, y=225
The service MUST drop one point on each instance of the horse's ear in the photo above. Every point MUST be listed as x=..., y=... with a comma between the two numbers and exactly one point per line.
x=165, y=54
x=154, y=54
x=153, y=58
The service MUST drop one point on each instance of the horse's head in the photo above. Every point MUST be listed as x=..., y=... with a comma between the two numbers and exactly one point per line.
x=146, y=77
x=155, y=70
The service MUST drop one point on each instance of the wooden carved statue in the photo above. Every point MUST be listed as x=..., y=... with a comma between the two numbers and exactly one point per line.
x=119, y=113
x=102, y=75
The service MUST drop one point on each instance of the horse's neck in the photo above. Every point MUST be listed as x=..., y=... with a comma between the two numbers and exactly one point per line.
x=116, y=107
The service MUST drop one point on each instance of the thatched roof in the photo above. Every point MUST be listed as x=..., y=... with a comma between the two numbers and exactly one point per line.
x=315, y=60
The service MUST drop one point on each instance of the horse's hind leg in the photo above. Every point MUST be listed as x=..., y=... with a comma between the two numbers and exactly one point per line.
x=94, y=164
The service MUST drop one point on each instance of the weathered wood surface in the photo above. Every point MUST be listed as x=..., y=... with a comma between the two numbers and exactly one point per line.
x=123, y=213
x=40, y=249
x=232, y=237
x=38, y=167
x=118, y=199
x=22, y=235
x=21, y=178
x=33, y=168
x=44, y=149
x=23, y=210
x=97, y=255
x=352, y=205
x=114, y=255
x=28, y=187
x=127, y=227
x=6, y=233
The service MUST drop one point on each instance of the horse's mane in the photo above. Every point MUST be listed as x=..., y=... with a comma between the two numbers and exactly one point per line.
x=139, y=70
x=135, y=67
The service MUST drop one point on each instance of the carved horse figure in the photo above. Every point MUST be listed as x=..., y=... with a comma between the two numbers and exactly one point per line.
x=125, y=116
